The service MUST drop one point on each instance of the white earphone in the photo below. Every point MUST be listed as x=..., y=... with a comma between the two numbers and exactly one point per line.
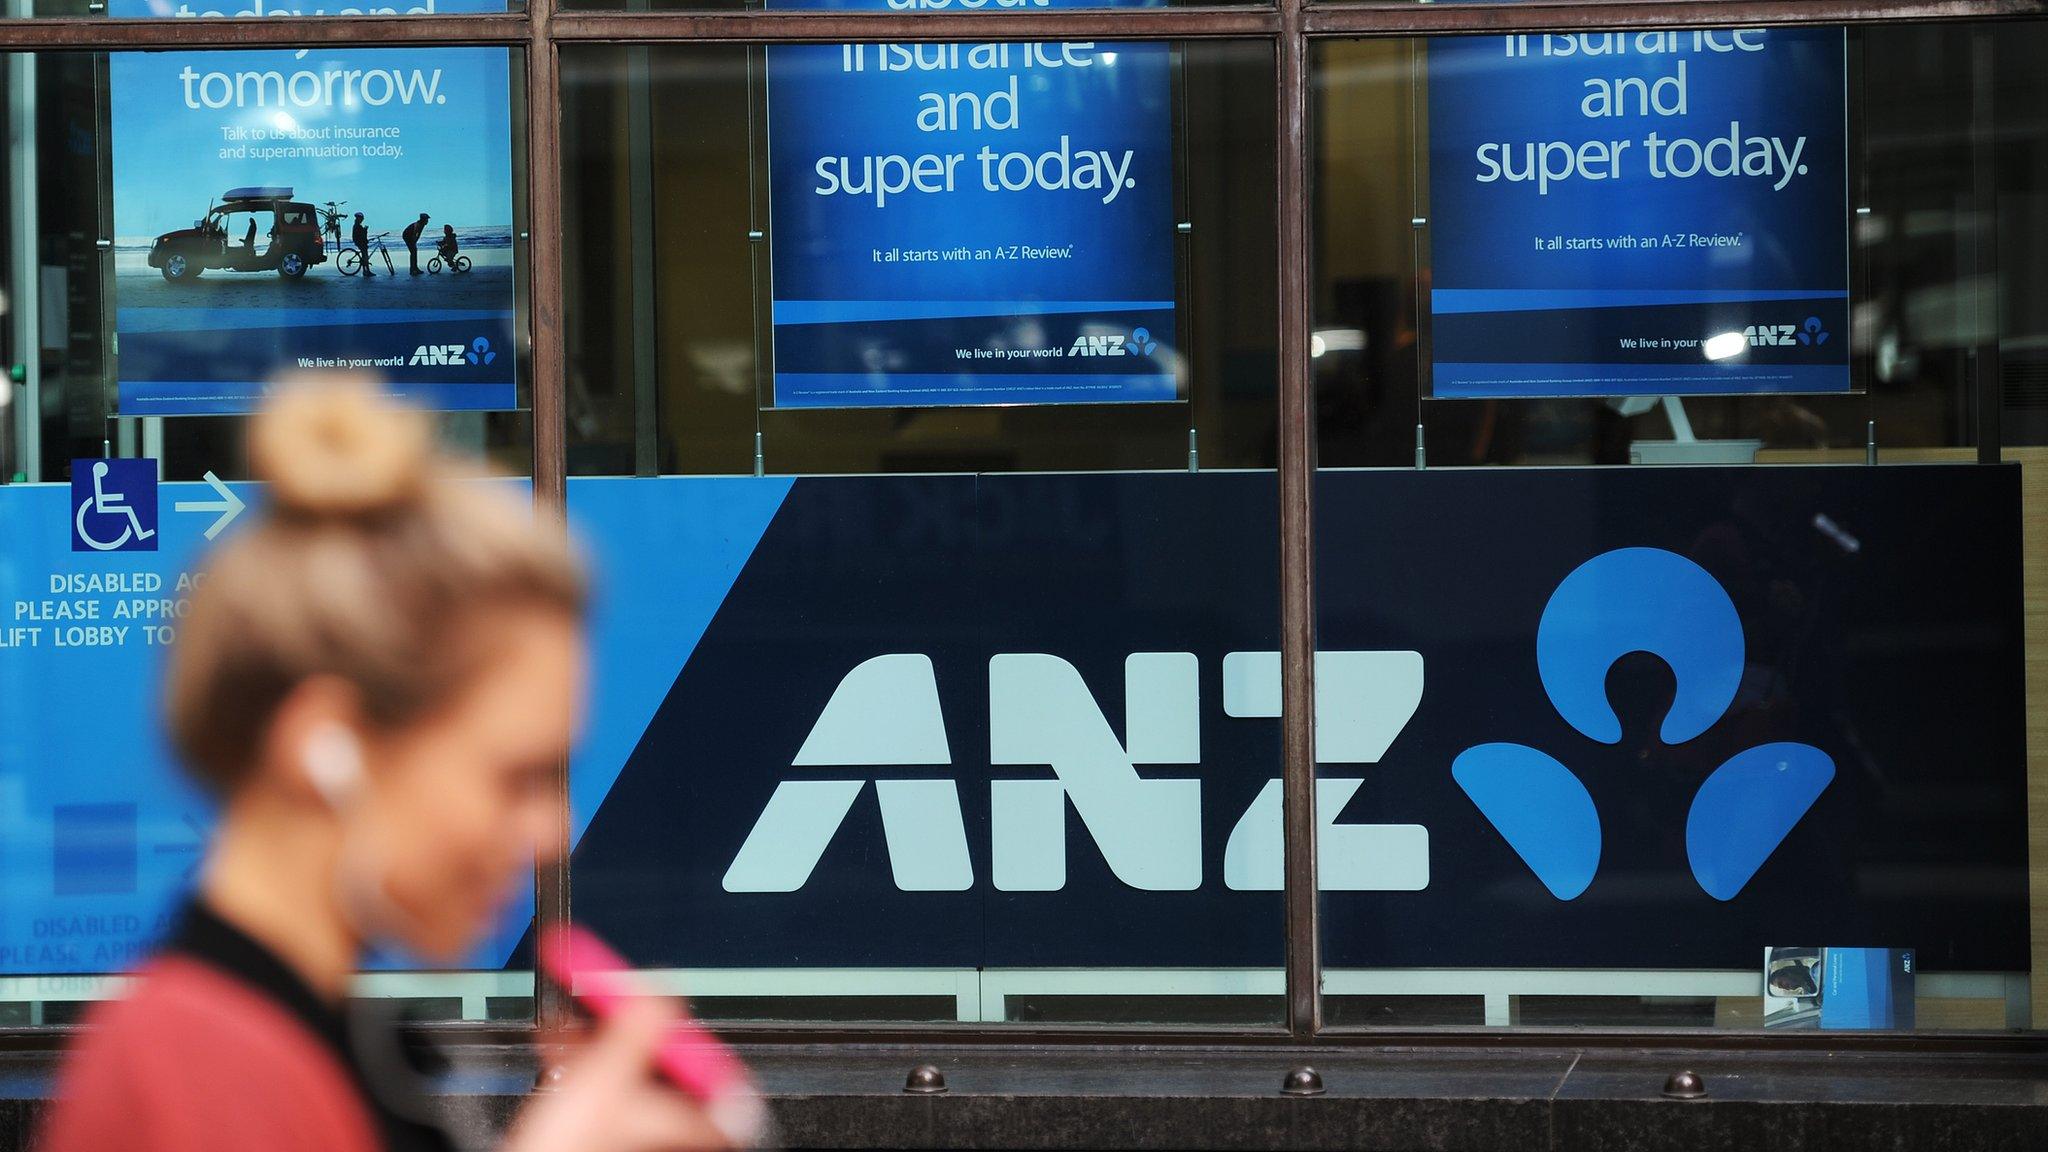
x=334, y=764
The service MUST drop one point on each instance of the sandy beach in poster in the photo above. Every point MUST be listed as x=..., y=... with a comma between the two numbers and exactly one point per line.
x=488, y=284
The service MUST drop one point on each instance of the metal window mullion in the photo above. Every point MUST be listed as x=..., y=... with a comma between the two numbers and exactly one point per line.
x=510, y=29
x=24, y=224
x=552, y=1009
x=840, y=26
x=1378, y=18
x=1297, y=546
x=513, y=29
x=1407, y=18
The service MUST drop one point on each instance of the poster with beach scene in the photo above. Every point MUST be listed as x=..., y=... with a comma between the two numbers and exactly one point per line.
x=302, y=212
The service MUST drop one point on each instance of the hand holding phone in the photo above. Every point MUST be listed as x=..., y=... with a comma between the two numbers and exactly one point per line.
x=696, y=1062
x=607, y=1102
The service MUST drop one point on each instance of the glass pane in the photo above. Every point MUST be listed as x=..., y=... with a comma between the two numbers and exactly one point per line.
x=921, y=420
x=1662, y=705
x=160, y=265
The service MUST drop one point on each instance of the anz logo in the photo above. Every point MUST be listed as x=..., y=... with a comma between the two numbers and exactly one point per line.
x=1139, y=343
x=476, y=352
x=1810, y=334
x=437, y=354
x=1085, y=345
x=886, y=713
x=1040, y=713
x=1642, y=600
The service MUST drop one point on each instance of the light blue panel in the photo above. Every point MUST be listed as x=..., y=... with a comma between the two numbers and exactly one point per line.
x=236, y=319
x=80, y=733
x=845, y=311
x=666, y=551
x=1450, y=301
x=99, y=834
x=1515, y=378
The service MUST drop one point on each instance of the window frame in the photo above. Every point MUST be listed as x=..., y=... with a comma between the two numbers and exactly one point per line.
x=1290, y=27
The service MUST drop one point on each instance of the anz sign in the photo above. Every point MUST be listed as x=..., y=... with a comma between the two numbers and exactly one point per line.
x=1563, y=718
x=1811, y=334
x=436, y=354
x=886, y=712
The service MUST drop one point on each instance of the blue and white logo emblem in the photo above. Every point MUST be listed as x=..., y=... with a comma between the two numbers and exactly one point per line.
x=1642, y=600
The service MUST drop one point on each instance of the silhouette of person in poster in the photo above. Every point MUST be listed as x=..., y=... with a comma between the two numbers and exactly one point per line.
x=412, y=240
x=361, y=236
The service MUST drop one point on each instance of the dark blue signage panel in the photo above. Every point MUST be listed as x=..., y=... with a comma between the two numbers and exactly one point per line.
x=982, y=223
x=1639, y=213
x=238, y=178
x=1603, y=718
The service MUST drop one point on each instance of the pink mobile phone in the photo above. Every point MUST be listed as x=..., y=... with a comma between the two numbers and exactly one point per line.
x=691, y=1058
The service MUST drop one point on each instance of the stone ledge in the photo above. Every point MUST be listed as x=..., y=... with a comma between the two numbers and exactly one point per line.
x=1481, y=1100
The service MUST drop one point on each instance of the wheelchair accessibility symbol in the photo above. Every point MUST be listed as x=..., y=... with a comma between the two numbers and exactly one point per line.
x=114, y=503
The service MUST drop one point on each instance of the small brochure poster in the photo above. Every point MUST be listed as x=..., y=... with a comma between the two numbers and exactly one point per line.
x=1838, y=988
x=343, y=210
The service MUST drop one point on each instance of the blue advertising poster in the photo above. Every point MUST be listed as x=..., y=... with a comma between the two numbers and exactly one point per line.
x=971, y=223
x=1654, y=213
x=238, y=178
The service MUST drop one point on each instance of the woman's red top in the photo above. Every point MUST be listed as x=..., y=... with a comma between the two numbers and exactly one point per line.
x=220, y=1048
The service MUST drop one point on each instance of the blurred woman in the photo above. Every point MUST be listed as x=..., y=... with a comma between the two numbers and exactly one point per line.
x=376, y=680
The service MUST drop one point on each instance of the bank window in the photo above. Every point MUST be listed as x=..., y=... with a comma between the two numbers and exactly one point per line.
x=1676, y=425
x=921, y=404
x=1654, y=519
x=165, y=261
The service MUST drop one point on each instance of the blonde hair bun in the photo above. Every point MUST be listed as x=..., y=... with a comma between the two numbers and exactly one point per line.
x=337, y=446
x=376, y=561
